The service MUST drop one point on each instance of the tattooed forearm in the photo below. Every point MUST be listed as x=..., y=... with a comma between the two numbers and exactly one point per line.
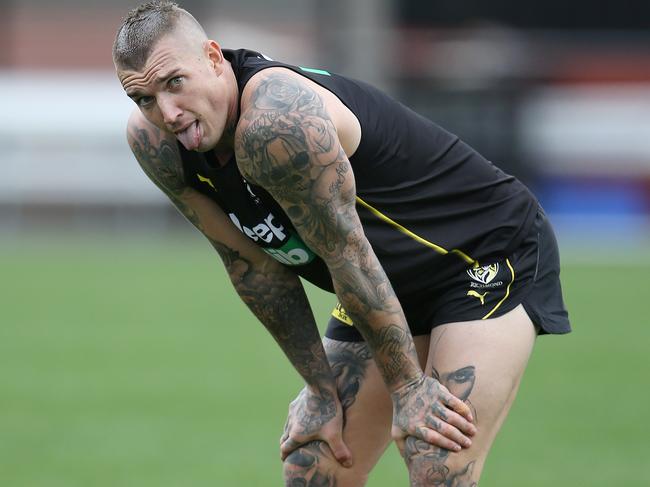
x=277, y=298
x=287, y=143
x=394, y=345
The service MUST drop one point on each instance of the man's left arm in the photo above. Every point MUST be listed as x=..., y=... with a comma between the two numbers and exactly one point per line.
x=287, y=143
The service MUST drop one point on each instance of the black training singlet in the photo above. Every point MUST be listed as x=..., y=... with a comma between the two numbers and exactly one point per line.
x=429, y=204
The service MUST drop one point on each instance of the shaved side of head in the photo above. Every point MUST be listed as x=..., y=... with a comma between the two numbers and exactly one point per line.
x=145, y=25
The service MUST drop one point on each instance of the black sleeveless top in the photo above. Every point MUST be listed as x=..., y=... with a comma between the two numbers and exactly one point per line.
x=429, y=204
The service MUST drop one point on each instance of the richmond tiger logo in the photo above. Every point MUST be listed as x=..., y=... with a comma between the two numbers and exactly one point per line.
x=484, y=274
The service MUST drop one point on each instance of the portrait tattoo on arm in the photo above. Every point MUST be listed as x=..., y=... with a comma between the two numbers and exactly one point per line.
x=287, y=143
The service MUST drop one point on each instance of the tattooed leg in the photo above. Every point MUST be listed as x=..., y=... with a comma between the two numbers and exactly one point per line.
x=311, y=465
x=481, y=363
x=367, y=411
x=428, y=466
x=349, y=362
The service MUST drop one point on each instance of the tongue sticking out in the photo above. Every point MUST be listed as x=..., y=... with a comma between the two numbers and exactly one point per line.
x=190, y=137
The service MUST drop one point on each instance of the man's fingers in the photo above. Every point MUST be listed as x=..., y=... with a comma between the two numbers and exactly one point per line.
x=460, y=422
x=448, y=431
x=338, y=448
x=340, y=451
x=288, y=446
x=438, y=439
x=452, y=402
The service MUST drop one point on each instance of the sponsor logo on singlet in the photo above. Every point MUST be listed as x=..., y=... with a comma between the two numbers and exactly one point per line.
x=294, y=252
x=291, y=251
x=265, y=231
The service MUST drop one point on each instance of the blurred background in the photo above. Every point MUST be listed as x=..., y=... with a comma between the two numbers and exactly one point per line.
x=125, y=359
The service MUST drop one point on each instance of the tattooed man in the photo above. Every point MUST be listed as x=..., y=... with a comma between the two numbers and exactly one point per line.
x=444, y=267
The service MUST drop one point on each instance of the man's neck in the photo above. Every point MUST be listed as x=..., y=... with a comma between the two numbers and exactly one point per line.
x=225, y=147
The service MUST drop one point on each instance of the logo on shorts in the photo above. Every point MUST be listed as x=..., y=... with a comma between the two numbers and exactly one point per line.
x=484, y=274
x=479, y=296
x=485, y=277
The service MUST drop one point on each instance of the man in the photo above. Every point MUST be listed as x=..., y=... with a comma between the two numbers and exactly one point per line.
x=445, y=267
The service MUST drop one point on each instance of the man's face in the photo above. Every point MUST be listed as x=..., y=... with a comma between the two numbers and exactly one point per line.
x=182, y=89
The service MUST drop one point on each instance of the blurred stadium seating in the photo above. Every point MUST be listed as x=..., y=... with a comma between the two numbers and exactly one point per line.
x=557, y=99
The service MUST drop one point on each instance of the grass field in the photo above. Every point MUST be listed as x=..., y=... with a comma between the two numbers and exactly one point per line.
x=132, y=363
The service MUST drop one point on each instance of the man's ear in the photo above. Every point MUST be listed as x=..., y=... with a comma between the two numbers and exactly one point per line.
x=215, y=56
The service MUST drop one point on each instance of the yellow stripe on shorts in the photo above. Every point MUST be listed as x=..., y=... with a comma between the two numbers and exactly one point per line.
x=512, y=272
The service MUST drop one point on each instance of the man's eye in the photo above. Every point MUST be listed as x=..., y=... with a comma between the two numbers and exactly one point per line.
x=145, y=101
x=175, y=82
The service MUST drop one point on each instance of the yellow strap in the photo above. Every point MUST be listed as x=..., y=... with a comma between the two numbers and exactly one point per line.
x=416, y=237
x=512, y=271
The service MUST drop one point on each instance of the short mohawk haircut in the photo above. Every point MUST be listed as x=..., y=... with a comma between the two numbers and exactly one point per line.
x=141, y=29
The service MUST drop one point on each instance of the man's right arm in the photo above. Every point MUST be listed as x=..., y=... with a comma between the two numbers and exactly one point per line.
x=272, y=292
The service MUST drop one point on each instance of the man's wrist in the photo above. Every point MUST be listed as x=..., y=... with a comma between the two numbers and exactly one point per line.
x=322, y=387
x=402, y=389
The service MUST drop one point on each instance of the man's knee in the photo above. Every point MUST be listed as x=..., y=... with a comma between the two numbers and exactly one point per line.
x=311, y=464
x=314, y=465
x=429, y=465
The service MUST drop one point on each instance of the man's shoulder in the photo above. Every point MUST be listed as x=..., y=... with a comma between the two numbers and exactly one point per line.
x=274, y=101
x=277, y=78
x=261, y=100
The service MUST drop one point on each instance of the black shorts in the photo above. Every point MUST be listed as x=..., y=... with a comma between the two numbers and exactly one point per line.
x=529, y=276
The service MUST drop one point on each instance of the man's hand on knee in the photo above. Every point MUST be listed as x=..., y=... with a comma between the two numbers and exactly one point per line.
x=428, y=411
x=315, y=416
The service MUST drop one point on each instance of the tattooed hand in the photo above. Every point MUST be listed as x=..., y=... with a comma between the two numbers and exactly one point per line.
x=315, y=416
x=427, y=410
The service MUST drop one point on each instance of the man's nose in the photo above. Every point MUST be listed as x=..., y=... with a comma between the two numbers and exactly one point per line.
x=169, y=110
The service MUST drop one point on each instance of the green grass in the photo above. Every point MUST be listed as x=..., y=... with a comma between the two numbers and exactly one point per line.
x=132, y=363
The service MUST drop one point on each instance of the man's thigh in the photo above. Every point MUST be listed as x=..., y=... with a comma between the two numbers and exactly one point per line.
x=368, y=417
x=480, y=362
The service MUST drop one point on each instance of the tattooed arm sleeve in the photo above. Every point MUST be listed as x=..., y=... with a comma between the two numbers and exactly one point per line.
x=274, y=294
x=287, y=143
